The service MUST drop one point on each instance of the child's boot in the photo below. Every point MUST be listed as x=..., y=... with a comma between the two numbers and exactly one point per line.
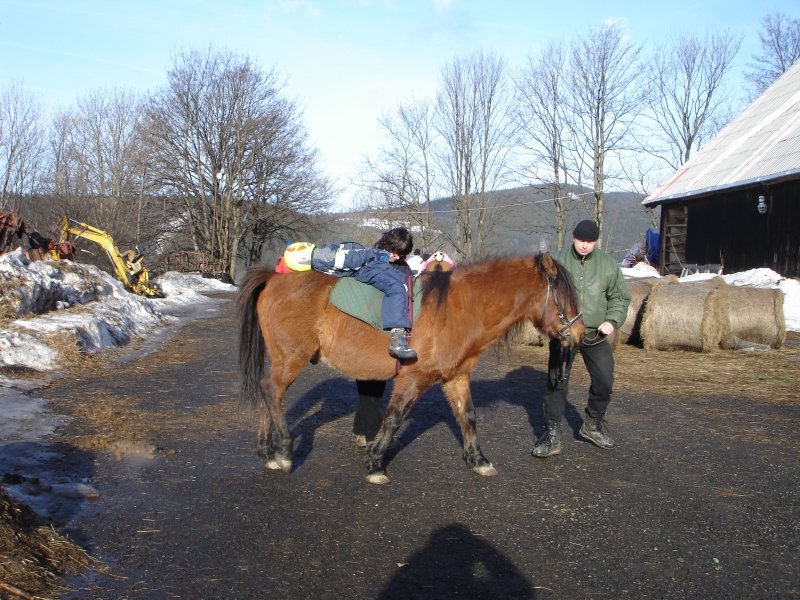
x=398, y=345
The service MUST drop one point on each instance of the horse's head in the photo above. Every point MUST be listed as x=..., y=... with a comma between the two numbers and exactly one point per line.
x=561, y=316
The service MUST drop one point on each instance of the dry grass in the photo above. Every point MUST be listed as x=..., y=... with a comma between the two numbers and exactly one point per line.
x=770, y=376
x=9, y=299
x=33, y=556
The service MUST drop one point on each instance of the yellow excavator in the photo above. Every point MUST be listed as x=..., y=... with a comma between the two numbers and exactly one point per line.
x=128, y=265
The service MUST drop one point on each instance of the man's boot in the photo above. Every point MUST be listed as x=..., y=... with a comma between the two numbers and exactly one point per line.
x=596, y=431
x=549, y=443
x=398, y=345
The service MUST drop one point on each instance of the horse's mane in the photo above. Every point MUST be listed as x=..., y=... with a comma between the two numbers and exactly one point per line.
x=437, y=283
x=562, y=283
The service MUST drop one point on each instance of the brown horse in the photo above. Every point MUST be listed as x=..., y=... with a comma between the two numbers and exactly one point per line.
x=463, y=312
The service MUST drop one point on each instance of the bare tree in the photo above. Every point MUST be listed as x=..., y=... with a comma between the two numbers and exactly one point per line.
x=21, y=144
x=400, y=183
x=114, y=158
x=96, y=171
x=234, y=153
x=541, y=120
x=687, y=95
x=780, y=49
x=67, y=175
x=604, y=101
x=474, y=120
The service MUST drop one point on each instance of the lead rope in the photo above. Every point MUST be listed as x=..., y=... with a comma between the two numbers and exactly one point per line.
x=562, y=368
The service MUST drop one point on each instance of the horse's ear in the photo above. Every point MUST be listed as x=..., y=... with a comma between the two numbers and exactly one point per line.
x=548, y=264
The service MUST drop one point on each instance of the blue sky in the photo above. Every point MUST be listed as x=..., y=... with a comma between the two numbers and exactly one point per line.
x=345, y=61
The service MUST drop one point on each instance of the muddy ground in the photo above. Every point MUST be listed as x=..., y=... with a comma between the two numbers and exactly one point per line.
x=698, y=501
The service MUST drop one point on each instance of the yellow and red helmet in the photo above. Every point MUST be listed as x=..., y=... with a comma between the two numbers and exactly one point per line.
x=297, y=256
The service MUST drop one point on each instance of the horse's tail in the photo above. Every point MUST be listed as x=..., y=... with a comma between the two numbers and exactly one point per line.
x=252, y=350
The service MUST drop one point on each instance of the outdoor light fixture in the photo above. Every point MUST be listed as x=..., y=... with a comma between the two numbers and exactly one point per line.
x=762, y=205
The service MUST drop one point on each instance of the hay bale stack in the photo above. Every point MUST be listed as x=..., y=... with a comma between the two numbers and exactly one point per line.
x=687, y=316
x=525, y=334
x=757, y=316
x=630, y=331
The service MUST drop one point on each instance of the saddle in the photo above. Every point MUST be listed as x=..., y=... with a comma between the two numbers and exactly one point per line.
x=363, y=301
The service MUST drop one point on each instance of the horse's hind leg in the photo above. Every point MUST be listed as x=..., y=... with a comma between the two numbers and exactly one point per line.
x=265, y=447
x=274, y=438
x=457, y=391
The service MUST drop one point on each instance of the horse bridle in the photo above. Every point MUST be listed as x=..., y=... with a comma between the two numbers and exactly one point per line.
x=566, y=324
x=563, y=330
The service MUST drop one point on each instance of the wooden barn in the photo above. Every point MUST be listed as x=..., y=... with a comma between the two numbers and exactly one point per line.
x=736, y=203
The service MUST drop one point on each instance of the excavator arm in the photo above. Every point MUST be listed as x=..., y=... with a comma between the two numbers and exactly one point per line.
x=128, y=265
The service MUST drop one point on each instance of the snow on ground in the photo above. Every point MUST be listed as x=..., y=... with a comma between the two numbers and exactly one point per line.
x=39, y=300
x=42, y=299
x=65, y=297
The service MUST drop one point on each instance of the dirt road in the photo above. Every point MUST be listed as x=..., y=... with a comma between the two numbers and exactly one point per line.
x=698, y=501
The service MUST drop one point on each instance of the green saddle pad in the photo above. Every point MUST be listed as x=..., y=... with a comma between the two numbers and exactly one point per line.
x=363, y=301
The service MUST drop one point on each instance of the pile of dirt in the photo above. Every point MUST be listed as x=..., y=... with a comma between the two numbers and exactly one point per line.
x=33, y=556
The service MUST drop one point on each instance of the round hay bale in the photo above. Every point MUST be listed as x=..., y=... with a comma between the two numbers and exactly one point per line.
x=757, y=316
x=525, y=334
x=687, y=316
x=629, y=332
x=719, y=286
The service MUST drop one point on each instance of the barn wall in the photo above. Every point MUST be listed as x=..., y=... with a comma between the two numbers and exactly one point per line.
x=727, y=229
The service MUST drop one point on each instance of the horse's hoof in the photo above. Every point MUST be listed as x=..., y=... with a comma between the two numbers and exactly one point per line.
x=486, y=470
x=279, y=464
x=378, y=478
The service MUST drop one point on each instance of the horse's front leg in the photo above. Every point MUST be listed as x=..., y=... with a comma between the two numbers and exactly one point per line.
x=457, y=391
x=405, y=394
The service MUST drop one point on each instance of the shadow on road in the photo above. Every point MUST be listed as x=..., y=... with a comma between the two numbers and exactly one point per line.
x=457, y=564
x=336, y=397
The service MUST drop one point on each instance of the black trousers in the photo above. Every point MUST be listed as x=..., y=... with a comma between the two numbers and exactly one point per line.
x=369, y=412
x=599, y=361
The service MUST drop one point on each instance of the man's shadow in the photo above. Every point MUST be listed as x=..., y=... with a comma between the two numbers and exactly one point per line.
x=457, y=564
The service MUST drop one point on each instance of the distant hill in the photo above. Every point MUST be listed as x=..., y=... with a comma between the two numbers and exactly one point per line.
x=521, y=217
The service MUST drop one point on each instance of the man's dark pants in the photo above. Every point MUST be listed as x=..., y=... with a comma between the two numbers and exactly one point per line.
x=599, y=361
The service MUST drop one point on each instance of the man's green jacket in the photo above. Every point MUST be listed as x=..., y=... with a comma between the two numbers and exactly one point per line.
x=602, y=291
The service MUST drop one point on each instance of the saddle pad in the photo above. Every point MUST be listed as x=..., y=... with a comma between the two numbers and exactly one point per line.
x=363, y=301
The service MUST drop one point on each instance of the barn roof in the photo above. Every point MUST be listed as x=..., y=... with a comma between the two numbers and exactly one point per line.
x=760, y=146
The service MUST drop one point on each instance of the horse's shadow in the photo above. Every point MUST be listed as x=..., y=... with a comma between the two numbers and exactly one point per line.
x=336, y=397
x=312, y=410
x=524, y=386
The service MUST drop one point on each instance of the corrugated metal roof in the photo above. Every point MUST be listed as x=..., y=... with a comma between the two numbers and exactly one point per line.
x=762, y=145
